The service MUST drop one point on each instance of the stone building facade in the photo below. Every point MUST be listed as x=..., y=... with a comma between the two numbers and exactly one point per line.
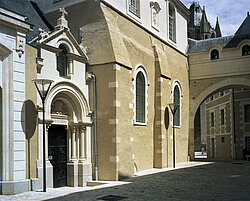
x=13, y=168
x=136, y=50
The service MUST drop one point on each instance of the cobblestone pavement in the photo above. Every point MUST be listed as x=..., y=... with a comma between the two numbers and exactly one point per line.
x=229, y=181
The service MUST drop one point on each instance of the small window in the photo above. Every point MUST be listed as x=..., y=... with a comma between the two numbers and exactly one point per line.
x=177, y=101
x=247, y=113
x=211, y=97
x=222, y=117
x=62, y=61
x=134, y=7
x=140, y=98
x=212, y=119
x=214, y=54
x=245, y=50
x=171, y=25
x=222, y=93
x=222, y=139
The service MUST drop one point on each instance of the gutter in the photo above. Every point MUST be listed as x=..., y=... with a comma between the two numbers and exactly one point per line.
x=91, y=75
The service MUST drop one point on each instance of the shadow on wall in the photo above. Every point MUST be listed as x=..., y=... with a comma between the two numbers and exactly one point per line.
x=29, y=124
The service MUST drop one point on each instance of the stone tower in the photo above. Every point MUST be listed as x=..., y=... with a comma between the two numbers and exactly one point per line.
x=199, y=27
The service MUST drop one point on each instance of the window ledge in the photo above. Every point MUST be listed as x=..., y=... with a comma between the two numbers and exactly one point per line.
x=66, y=77
x=140, y=124
x=176, y=127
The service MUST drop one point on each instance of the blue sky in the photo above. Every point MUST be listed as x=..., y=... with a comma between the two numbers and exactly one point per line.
x=231, y=13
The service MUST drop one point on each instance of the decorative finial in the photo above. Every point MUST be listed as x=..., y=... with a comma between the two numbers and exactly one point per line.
x=62, y=22
x=63, y=12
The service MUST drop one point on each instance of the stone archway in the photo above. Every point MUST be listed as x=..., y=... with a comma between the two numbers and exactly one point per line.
x=203, y=93
x=67, y=106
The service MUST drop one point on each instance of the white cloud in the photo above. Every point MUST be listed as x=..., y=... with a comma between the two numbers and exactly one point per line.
x=231, y=13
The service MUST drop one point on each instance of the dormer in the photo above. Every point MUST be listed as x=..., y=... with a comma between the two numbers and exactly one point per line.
x=63, y=44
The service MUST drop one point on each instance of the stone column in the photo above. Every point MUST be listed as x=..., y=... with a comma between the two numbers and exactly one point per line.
x=73, y=144
x=85, y=166
x=82, y=144
x=72, y=166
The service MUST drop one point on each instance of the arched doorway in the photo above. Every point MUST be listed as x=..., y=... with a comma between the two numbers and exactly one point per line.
x=69, y=136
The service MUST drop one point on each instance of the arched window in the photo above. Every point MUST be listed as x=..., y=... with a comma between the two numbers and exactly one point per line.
x=214, y=54
x=177, y=100
x=245, y=50
x=62, y=61
x=171, y=26
x=140, y=98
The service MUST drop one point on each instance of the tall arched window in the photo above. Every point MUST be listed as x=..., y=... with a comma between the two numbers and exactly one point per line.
x=177, y=100
x=245, y=50
x=171, y=19
x=62, y=61
x=140, y=98
x=214, y=54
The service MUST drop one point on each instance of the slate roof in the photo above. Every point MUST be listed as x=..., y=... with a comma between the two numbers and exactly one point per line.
x=241, y=34
x=244, y=27
x=203, y=45
x=32, y=13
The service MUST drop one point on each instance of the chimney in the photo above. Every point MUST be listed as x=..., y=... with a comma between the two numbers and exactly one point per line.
x=247, y=13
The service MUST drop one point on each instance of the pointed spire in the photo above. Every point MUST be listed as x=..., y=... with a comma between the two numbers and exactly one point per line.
x=62, y=22
x=217, y=28
x=204, y=25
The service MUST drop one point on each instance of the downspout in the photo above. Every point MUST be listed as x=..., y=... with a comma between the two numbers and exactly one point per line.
x=233, y=123
x=95, y=133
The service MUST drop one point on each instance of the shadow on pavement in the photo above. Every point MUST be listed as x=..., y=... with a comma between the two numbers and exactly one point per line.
x=216, y=181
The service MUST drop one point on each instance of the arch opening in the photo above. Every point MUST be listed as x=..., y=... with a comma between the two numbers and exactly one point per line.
x=221, y=124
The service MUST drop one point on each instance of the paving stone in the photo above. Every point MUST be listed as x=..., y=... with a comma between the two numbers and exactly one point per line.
x=222, y=181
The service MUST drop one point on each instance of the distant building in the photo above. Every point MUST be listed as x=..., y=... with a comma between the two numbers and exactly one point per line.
x=136, y=53
x=198, y=27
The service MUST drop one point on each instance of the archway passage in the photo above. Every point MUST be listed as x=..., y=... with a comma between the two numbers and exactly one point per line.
x=221, y=124
x=58, y=154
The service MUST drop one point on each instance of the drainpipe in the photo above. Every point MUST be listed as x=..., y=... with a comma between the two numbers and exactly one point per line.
x=233, y=123
x=95, y=133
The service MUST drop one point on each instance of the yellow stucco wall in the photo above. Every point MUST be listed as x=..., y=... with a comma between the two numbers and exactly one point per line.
x=116, y=47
